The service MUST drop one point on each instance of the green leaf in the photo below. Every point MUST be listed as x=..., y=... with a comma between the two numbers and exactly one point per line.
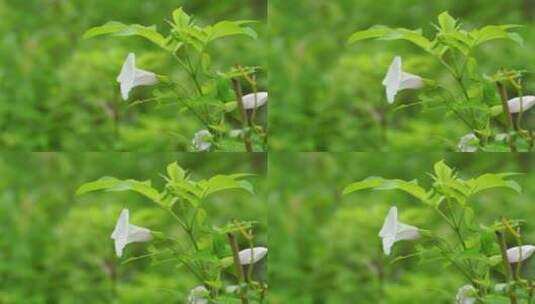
x=114, y=184
x=495, y=32
x=225, y=182
x=377, y=31
x=119, y=29
x=447, y=22
x=175, y=172
x=414, y=36
x=230, y=28
x=379, y=183
x=181, y=18
x=489, y=181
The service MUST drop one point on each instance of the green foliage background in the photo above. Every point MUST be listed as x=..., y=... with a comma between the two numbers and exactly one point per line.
x=330, y=244
x=56, y=248
x=55, y=88
x=328, y=95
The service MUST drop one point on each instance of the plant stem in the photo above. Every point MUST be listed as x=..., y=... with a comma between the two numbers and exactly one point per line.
x=508, y=116
x=239, y=271
x=243, y=113
x=507, y=266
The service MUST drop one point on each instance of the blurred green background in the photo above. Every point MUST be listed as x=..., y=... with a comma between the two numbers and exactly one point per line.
x=328, y=95
x=325, y=247
x=56, y=248
x=56, y=89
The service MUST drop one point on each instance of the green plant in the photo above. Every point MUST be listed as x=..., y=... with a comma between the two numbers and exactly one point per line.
x=211, y=95
x=211, y=254
x=481, y=102
x=478, y=251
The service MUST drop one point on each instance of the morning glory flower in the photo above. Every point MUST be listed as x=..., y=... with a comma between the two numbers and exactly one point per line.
x=394, y=231
x=468, y=143
x=514, y=254
x=465, y=295
x=514, y=104
x=126, y=233
x=198, y=295
x=249, y=100
x=202, y=140
x=131, y=77
x=396, y=80
x=251, y=256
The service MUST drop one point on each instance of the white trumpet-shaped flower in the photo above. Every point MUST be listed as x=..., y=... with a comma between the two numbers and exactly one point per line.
x=468, y=143
x=131, y=77
x=518, y=254
x=250, y=102
x=466, y=295
x=202, y=140
x=394, y=231
x=198, y=295
x=518, y=104
x=252, y=255
x=396, y=80
x=126, y=233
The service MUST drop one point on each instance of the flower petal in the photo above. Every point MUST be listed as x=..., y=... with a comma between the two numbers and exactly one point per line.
x=518, y=254
x=127, y=76
x=523, y=103
x=120, y=233
x=465, y=295
x=392, y=80
x=250, y=101
x=145, y=78
x=202, y=140
x=410, y=81
x=251, y=256
x=390, y=223
x=138, y=234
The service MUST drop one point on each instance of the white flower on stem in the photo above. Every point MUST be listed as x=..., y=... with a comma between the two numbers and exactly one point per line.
x=519, y=254
x=131, y=77
x=252, y=255
x=198, y=295
x=396, y=80
x=468, y=143
x=250, y=102
x=516, y=105
x=466, y=295
x=394, y=231
x=126, y=233
x=202, y=140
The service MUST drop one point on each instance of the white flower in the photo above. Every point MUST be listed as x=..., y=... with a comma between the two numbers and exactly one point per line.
x=396, y=80
x=232, y=288
x=235, y=133
x=198, y=295
x=516, y=254
x=501, y=136
x=500, y=287
x=251, y=256
x=468, y=143
x=465, y=295
x=202, y=140
x=131, y=77
x=126, y=233
x=514, y=104
x=394, y=231
x=250, y=102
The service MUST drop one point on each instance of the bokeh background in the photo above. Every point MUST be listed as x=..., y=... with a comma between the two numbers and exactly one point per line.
x=325, y=247
x=56, y=89
x=328, y=95
x=55, y=247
